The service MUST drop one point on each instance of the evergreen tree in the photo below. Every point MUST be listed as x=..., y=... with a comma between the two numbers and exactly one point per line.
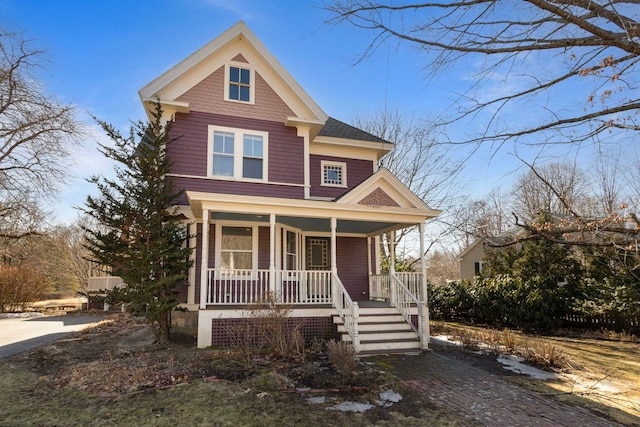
x=141, y=238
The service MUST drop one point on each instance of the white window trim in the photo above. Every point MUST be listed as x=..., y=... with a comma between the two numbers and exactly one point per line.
x=252, y=82
x=238, y=153
x=342, y=165
x=218, y=241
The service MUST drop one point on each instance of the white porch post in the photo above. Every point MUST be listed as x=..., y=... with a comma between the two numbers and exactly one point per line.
x=370, y=272
x=334, y=226
x=423, y=308
x=205, y=327
x=392, y=268
x=204, y=266
x=369, y=256
x=272, y=254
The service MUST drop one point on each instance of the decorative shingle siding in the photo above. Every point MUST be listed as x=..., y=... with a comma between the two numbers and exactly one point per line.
x=353, y=267
x=189, y=156
x=208, y=96
x=357, y=171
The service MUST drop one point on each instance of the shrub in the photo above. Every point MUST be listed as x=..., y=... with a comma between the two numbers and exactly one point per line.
x=20, y=286
x=341, y=356
x=546, y=355
x=272, y=329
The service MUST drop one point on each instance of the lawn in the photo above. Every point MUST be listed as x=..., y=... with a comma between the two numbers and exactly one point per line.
x=89, y=379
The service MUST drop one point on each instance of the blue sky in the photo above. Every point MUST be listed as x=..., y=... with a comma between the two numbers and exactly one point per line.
x=102, y=52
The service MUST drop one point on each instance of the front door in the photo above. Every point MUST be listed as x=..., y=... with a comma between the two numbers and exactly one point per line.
x=318, y=253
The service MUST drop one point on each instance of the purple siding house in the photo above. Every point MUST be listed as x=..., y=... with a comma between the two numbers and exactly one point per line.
x=284, y=200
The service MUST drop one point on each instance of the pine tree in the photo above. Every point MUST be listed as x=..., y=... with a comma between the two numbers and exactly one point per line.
x=141, y=237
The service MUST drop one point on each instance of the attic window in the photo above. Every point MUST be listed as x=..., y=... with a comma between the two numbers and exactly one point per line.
x=239, y=84
x=334, y=174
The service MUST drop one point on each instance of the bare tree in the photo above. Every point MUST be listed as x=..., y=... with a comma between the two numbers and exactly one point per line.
x=417, y=160
x=569, y=68
x=442, y=267
x=36, y=133
x=555, y=188
x=608, y=186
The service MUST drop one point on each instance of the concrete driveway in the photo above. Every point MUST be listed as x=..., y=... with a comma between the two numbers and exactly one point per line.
x=22, y=334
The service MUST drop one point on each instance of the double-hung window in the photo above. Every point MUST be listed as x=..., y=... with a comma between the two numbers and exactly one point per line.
x=291, y=250
x=236, y=248
x=238, y=153
x=252, y=157
x=223, y=153
x=239, y=83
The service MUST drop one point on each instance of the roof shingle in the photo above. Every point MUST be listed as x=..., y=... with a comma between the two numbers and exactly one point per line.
x=337, y=129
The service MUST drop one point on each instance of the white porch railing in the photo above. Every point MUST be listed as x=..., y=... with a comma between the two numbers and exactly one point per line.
x=104, y=283
x=250, y=286
x=379, y=285
x=403, y=299
x=348, y=310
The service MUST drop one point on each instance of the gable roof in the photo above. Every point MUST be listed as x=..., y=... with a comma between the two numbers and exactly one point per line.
x=236, y=40
x=384, y=189
x=336, y=129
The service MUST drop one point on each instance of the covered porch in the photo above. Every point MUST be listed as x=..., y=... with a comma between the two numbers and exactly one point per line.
x=310, y=254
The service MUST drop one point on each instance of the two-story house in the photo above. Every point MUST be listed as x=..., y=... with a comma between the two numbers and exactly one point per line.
x=284, y=200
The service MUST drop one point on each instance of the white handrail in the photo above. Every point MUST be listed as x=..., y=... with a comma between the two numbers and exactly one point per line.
x=239, y=287
x=380, y=288
x=348, y=310
x=105, y=283
x=403, y=299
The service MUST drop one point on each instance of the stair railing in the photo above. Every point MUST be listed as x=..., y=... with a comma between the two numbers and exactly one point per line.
x=348, y=310
x=403, y=300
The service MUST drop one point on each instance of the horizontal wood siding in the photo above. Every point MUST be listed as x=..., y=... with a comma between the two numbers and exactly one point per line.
x=235, y=187
x=352, y=266
x=357, y=171
x=264, y=236
x=189, y=153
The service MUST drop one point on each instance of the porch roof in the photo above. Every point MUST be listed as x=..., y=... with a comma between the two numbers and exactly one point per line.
x=309, y=215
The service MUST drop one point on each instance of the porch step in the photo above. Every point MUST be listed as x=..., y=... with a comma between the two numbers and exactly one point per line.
x=381, y=330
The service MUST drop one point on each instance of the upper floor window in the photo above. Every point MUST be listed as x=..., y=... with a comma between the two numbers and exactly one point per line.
x=238, y=153
x=239, y=84
x=334, y=174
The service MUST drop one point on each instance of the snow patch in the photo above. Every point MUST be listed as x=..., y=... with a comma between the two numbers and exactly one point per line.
x=445, y=340
x=603, y=385
x=349, y=406
x=514, y=364
x=20, y=315
x=391, y=396
x=387, y=398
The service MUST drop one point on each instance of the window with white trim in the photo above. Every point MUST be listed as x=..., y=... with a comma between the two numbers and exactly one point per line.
x=236, y=248
x=334, y=174
x=238, y=153
x=291, y=250
x=239, y=84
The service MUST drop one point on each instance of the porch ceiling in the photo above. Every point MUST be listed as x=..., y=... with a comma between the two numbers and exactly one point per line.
x=313, y=224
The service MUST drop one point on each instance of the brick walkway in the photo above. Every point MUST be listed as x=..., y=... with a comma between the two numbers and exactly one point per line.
x=485, y=397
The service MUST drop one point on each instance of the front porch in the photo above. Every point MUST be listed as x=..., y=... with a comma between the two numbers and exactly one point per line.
x=372, y=325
